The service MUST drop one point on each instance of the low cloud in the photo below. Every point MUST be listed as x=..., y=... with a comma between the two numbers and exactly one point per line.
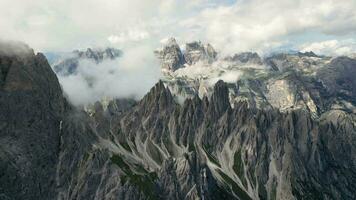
x=231, y=26
x=260, y=25
x=129, y=76
x=131, y=35
x=228, y=77
x=218, y=70
x=331, y=47
x=9, y=48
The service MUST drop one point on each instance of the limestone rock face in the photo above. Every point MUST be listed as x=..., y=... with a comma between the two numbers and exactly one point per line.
x=157, y=148
x=196, y=51
x=31, y=104
x=246, y=57
x=171, y=56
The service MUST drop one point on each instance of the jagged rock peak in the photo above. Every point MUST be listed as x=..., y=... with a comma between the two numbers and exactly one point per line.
x=23, y=70
x=211, y=51
x=308, y=54
x=196, y=51
x=219, y=101
x=69, y=65
x=171, y=56
x=99, y=54
x=159, y=87
x=158, y=94
x=172, y=42
x=246, y=57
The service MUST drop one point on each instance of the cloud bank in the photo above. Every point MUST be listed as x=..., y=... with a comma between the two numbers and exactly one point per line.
x=10, y=48
x=129, y=76
x=331, y=47
x=137, y=27
x=262, y=25
x=232, y=26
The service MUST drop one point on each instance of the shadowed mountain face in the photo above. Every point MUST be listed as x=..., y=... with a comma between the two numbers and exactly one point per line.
x=31, y=104
x=158, y=149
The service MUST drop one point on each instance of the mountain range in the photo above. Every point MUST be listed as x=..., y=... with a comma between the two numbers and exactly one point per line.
x=214, y=127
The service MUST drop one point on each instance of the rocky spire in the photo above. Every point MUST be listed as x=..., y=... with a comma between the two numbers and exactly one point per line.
x=196, y=51
x=68, y=66
x=159, y=98
x=171, y=56
x=246, y=57
x=219, y=101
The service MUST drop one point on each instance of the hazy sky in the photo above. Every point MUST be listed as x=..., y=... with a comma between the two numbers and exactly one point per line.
x=140, y=26
x=231, y=26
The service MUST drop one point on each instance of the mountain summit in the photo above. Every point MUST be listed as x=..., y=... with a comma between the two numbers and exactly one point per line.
x=69, y=64
x=275, y=133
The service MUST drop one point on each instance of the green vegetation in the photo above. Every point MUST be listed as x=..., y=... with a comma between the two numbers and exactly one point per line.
x=86, y=156
x=234, y=186
x=120, y=162
x=238, y=167
x=144, y=180
x=211, y=157
x=168, y=144
x=252, y=176
x=273, y=195
x=154, y=152
x=126, y=146
x=191, y=147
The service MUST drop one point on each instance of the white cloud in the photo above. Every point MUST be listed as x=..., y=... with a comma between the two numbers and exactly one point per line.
x=220, y=70
x=66, y=24
x=132, y=35
x=331, y=47
x=13, y=48
x=229, y=25
x=130, y=76
x=260, y=25
x=228, y=77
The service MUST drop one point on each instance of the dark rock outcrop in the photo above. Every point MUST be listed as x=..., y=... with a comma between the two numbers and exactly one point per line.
x=31, y=104
x=158, y=149
x=171, y=56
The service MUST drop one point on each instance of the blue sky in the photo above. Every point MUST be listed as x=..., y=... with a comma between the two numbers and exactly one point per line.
x=324, y=26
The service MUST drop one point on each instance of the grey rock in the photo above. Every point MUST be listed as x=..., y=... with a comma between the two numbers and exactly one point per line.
x=171, y=56
x=156, y=148
x=31, y=104
x=69, y=65
x=246, y=57
x=196, y=51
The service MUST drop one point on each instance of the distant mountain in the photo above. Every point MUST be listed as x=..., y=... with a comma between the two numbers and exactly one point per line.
x=285, y=81
x=281, y=127
x=68, y=64
x=172, y=58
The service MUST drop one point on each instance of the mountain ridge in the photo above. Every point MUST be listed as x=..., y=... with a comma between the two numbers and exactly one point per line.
x=157, y=148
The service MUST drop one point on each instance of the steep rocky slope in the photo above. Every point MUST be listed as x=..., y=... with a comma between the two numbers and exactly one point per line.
x=284, y=81
x=158, y=148
x=31, y=104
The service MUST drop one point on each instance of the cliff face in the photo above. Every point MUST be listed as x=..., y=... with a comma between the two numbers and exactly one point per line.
x=31, y=105
x=171, y=56
x=158, y=149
